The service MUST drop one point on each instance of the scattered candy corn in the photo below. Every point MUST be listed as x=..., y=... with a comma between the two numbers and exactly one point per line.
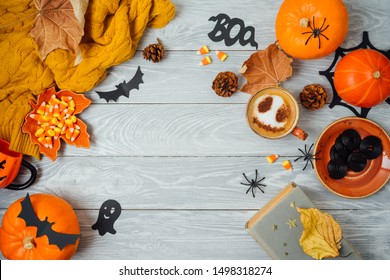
x=287, y=165
x=205, y=61
x=203, y=50
x=272, y=158
x=56, y=118
x=221, y=55
x=41, y=109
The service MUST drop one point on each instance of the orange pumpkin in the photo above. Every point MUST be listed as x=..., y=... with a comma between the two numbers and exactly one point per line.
x=19, y=242
x=308, y=29
x=362, y=78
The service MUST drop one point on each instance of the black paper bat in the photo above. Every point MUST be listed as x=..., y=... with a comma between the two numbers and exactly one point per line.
x=123, y=88
x=44, y=227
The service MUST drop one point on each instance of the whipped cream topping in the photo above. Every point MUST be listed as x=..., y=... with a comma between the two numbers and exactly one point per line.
x=269, y=117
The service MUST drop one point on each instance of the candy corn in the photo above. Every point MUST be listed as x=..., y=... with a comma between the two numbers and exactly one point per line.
x=69, y=133
x=48, y=110
x=63, y=105
x=39, y=132
x=56, y=111
x=42, y=140
x=42, y=108
x=54, y=101
x=57, y=131
x=66, y=98
x=272, y=158
x=48, y=142
x=221, y=55
x=72, y=103
x=69, y=122
x=287, y=165
x=203, y=50
x=205, y=61
x=36, y=117
x=50, y=132
x=56, y=118
x=76, y=133
x=70, y=110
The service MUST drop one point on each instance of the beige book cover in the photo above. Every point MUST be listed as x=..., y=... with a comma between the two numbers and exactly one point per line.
x=277, y=227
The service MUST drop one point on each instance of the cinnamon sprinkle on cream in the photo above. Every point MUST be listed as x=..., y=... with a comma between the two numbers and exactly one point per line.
x=266, y=126
x=282, y=114
x=265, y=105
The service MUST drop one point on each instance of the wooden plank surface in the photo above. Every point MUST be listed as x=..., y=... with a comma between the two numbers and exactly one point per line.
x=211, y=235
x=173, y=153
x=181, y=183
x=195, y=129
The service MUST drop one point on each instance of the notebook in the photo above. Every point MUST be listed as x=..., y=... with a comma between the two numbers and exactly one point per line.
x=277, y=227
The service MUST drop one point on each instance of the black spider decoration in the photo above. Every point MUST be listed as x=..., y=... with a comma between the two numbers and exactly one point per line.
x=254, y=183
x=307, y=156
x=316, y=32
x=328, y=73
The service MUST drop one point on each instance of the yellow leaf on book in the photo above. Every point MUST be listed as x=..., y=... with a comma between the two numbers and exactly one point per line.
x=322, y=234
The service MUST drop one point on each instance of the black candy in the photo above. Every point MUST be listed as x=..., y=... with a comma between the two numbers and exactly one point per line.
x=371, y=147
x=351, y=139
x=357, y=161
x=337, y=171
x=341, y=148
x=336, y=157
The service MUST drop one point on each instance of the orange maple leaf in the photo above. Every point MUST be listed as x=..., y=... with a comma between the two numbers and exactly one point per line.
x=266, y=68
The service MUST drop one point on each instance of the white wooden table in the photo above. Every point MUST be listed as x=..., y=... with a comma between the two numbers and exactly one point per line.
x=173, y=153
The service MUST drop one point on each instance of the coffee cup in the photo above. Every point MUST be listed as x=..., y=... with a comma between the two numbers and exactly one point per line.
x=273, y=113
x=10, y=163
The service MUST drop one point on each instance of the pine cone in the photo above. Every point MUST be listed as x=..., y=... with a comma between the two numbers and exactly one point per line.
x=154, y=52
x=313, y=96
x=225, y=84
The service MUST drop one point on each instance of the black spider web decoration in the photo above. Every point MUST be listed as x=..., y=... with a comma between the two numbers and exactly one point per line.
x=329, y=73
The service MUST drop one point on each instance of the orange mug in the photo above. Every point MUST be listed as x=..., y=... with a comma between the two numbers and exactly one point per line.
x=10, y=163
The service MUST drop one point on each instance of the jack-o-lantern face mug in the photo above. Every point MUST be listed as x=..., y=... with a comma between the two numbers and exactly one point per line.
x=10, y=163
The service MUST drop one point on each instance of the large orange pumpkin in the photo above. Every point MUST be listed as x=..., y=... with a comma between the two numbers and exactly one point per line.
x=19, y=242
x=362, y=78
x=308, y=29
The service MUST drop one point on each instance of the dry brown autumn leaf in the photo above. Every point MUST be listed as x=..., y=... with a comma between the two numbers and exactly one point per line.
x=266, y=68
x=57, y=26
x=321, y=236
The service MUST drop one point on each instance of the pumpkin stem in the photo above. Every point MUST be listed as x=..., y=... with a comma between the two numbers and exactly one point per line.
x=28, y=243
x=376, y=74
x=304, y=22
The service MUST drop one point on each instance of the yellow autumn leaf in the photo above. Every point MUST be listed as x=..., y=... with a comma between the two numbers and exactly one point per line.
x=321, y=236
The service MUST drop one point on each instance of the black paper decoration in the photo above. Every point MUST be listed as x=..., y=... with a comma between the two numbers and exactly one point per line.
x=44, y=227
x=123, y=89
x=109, y=212
x=223, y=27
x=329, y=73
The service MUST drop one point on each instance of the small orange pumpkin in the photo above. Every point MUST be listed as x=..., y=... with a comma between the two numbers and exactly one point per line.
x=308, y=29
x=362, y=78
x=19, y=242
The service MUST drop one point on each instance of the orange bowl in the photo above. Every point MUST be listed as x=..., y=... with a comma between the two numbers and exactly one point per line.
x=355, y=184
